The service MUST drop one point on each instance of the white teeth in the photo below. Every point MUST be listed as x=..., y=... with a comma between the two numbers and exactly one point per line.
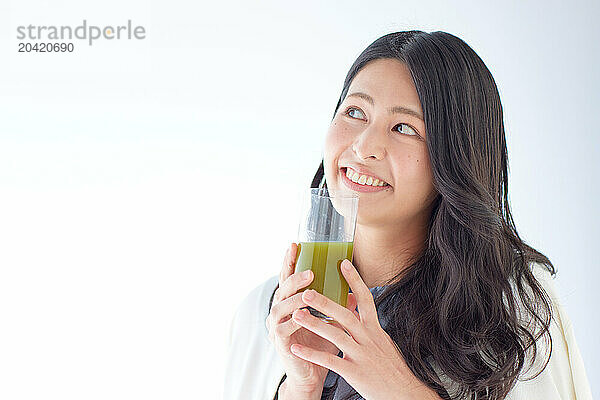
x=363, y=179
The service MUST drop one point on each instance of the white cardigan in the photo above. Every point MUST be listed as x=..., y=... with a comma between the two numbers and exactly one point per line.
x=253, y=370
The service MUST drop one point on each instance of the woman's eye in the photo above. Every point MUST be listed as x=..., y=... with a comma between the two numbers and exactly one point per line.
x=407, y=130
x=351, y=109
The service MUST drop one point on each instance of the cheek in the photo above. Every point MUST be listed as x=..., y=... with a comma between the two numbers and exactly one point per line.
x=337, y=134
x=337, y=141
x=414, y=173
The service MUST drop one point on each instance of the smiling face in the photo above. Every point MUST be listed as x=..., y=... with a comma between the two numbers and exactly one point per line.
x=378, y=131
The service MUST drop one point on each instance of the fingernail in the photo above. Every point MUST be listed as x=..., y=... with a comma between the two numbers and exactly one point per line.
x=346, y=265
x=309, y=295
x=306, y=274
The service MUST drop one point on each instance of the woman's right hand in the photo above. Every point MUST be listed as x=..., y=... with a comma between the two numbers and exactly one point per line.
x=302, y=375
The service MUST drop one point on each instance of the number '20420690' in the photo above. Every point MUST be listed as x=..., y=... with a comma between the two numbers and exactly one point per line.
x=46, y=47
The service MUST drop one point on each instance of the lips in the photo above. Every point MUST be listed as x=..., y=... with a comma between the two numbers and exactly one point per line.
x=361, y=188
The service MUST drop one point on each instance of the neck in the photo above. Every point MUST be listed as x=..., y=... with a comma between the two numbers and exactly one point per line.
x=382, y=252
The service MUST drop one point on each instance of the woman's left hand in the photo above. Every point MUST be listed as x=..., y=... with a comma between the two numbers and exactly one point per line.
x=372, y=364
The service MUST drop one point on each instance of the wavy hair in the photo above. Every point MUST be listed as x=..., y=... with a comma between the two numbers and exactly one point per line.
x=469, y=302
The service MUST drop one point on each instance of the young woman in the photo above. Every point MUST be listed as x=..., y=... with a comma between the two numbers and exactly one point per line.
x=446, y=299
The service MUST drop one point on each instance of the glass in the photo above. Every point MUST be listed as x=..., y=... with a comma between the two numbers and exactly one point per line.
x=325, y=239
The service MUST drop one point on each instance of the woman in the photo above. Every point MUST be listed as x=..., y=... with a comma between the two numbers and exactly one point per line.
x=446, y=299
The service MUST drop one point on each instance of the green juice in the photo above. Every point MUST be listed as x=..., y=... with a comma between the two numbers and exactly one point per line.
x=325, y=260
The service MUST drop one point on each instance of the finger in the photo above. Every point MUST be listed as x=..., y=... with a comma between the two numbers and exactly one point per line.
x=289, y=263
x=293, y=283
x=342, y=315
x=364, y=297
x=327, y=360
x=351, y=305
x=327, y=331
x=294, y=248
x=285, y=329
x=284, y=273
x=282, y=310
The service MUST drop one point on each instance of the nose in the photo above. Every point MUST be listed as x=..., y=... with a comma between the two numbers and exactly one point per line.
x=370, y=143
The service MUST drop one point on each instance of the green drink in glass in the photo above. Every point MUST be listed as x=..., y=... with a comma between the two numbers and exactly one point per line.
x=325, y=239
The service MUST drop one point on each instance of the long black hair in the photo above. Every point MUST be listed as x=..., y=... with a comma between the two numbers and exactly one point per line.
x=469, y=302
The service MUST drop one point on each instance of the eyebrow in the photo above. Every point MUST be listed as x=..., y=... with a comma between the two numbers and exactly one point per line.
x=391, y=110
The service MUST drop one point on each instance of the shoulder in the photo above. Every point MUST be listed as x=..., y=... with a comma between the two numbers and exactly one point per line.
x=253, y=369
x=254, y=307
x=546, y=279
x=564, y=374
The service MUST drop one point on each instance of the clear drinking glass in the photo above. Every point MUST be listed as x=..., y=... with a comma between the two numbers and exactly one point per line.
x=325, y=239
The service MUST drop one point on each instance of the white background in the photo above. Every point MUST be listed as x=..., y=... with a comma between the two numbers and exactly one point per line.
x=147, y=186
